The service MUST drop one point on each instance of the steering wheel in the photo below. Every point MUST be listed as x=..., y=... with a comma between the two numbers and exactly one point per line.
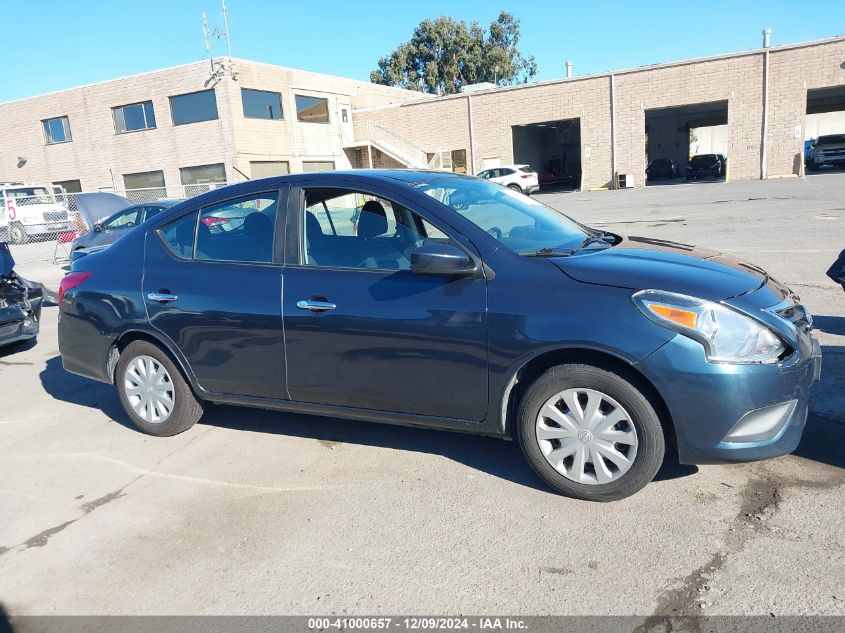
x=495, y=231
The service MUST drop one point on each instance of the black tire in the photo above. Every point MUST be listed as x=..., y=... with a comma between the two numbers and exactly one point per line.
x=187, y=409
x=17, y=234
x=515, y=187
x=651, y=442
x=812, y=166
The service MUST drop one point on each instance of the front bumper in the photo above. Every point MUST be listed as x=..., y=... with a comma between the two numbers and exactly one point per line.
x=707, y=401
x=47, y=228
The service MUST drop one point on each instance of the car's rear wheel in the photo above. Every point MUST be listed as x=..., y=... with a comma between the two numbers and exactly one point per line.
x=153, y=392
x=589, y=433
x=515, y=187
x=17, y=234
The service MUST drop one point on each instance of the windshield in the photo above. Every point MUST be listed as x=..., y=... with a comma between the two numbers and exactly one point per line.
x=520, y=223
x=704, y=159
x=29, y=195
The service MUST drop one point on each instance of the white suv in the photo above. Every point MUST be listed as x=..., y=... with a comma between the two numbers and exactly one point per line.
x=517, y=177
x=29, y=211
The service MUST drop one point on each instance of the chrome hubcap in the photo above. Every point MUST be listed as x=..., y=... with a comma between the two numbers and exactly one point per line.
x=148, y=389
x=586, y=436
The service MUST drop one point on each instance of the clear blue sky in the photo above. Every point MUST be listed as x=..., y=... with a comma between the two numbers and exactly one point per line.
x=54, y=44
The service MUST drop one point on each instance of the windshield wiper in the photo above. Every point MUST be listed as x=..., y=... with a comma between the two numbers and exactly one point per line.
x=596, y=238
x=548, y=252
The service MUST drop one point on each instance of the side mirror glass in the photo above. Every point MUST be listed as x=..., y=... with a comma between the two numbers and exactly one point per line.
x=441, y=259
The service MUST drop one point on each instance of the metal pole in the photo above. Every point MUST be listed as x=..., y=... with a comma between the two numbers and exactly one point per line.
x=763, y=173
x=471, y=137
x=613, y=130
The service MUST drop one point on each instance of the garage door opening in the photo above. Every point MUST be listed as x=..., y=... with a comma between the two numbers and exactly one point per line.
x=824, y=130
x=553, y=149
x=687, y=143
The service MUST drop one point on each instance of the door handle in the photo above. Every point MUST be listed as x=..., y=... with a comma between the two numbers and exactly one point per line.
x=161, y=297
x=315, y=306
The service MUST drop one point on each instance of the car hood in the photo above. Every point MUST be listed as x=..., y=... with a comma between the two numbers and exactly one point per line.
x=98, y=205
x=641, y=263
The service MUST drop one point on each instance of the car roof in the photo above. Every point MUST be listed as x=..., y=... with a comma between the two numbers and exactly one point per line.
x=165, y=204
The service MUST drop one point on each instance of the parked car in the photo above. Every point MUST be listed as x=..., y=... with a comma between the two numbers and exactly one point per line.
x=456, y=306
x=827, y=151
x=662, y=168
x=28, y=212
x=837, y=270
x=520, y=178
x=110, y=229
x=20, y=302
x=704, y=166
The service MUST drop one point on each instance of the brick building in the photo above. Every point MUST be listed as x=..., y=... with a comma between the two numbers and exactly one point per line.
x=202, y=123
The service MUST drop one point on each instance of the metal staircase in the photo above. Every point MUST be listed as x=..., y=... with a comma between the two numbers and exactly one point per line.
x=374, y=135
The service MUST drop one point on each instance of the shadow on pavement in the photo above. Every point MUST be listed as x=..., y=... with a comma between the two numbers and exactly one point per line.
x=494, y=456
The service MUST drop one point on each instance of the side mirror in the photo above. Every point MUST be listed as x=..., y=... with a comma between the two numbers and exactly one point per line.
x=441, y=259
x=97, y=228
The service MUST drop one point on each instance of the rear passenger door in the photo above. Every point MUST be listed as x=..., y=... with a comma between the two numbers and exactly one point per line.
x=212, y=287
x=361, y=329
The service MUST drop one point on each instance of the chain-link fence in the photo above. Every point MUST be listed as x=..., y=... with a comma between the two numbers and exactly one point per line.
x=42, y=223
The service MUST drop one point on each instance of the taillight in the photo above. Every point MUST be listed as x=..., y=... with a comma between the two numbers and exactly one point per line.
x=211, y=221
x=70, y=281
x=525, y=176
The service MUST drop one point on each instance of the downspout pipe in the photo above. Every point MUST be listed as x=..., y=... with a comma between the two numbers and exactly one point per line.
x=471, y=137
x=614, y=183
x=767, y=33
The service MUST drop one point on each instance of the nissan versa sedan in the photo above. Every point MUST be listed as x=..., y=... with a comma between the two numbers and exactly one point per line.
x=457, y=304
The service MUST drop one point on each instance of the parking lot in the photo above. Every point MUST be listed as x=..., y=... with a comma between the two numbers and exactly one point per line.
x=261, y=512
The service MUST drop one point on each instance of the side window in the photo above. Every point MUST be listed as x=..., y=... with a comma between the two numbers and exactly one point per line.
x=178, y=235
x=239, y=230
x=350, y=229
x=123, y=220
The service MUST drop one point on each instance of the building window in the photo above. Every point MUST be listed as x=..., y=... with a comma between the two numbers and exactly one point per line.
x=133, y=117
x=344, y=115
x=193, y=107
x=268, y=168
x=312, y=109
x=459, y=161
x=202, y=178
x=69, y=186
x=145, y=186
x=260, y=104
x=56, y=130
x=317, y=165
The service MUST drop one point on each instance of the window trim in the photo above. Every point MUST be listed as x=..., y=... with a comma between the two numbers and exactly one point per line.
x=279, y=225
x=299, y=258
x=328, y=120
x=143, y=109
x=261, y=118
x=186, y=94
x=45, y=128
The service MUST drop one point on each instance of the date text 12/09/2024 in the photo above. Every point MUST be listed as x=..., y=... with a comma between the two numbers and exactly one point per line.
x=417, y=623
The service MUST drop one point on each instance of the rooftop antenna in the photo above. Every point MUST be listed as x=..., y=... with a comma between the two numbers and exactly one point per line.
x=225, y=34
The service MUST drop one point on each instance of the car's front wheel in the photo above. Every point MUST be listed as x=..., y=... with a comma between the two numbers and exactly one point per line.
x=589, y=433
x=153, y=392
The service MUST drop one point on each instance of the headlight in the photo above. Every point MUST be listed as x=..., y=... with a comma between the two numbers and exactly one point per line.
x=727, y=335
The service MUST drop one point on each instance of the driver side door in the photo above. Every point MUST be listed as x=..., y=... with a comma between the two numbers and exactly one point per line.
x=361, y=329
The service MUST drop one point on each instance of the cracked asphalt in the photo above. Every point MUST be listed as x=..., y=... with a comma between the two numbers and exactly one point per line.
x=254, y=512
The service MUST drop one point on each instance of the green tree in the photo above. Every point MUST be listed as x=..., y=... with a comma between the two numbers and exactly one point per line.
x=445, y=54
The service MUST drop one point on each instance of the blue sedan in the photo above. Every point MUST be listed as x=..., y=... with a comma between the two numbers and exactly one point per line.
x=451, y=302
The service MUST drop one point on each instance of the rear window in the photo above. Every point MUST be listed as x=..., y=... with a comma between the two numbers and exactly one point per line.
x=704, y=159
x=527, y=169
x=831, y=139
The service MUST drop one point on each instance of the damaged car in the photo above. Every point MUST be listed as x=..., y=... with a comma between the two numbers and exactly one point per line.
x=20, y=302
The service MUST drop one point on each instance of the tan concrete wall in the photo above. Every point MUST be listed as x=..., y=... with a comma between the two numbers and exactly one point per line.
x=737, y=79
x=96, y=151
x=791, y=73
